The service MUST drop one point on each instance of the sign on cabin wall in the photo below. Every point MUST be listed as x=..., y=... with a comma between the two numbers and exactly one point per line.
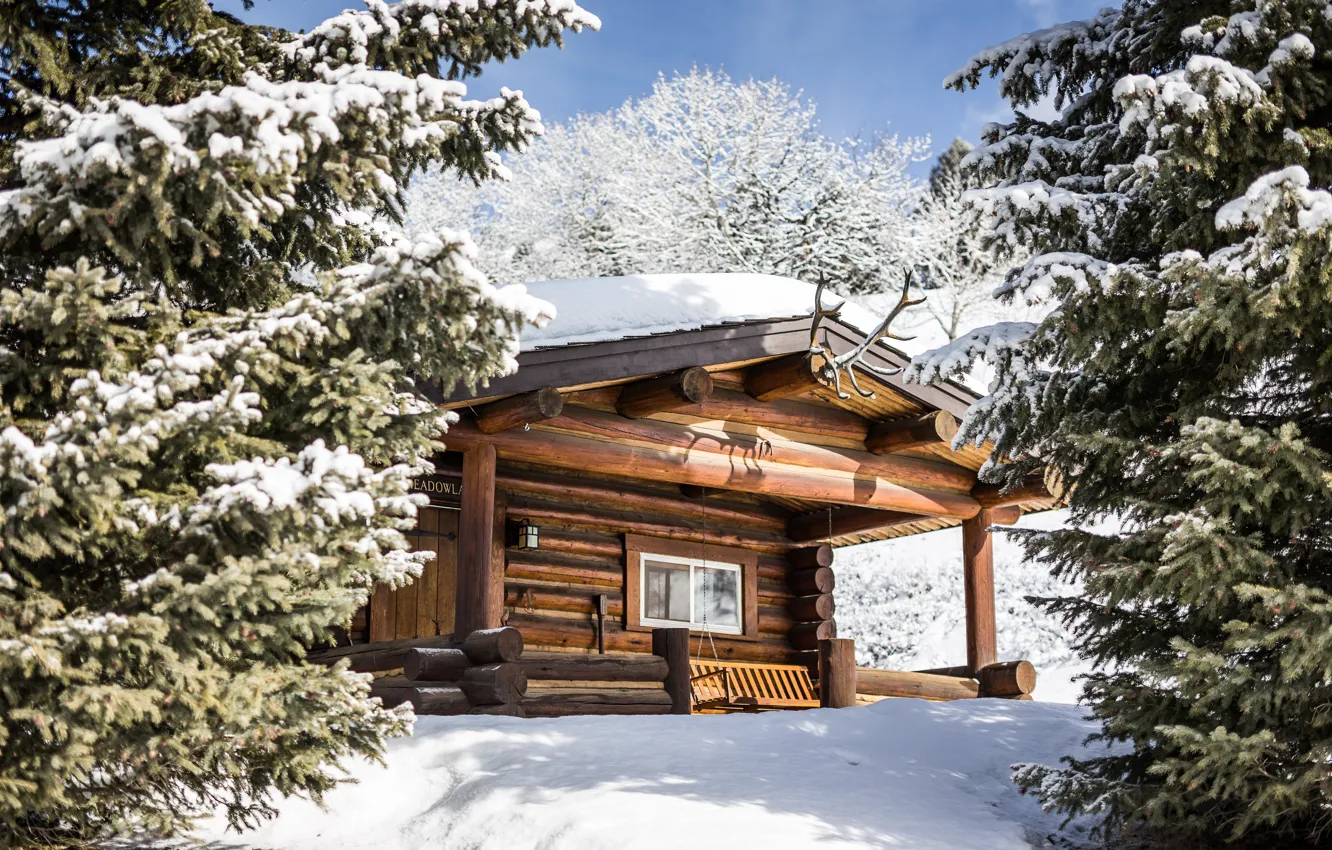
x=442, y=489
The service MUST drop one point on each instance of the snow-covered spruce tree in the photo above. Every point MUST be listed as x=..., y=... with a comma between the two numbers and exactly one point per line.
x=207, y=357
x=705, y=174
x=1180, y=222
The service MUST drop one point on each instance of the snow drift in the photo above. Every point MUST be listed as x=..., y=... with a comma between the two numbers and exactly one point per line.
x=901, y=773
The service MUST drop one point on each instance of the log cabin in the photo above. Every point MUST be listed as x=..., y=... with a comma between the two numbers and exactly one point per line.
x=643, y=517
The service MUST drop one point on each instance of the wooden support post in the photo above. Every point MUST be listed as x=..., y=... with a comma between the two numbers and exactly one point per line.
x=837, y=673
x=933, y=429
x=978, y=584
x=517, y=410
x=667, y=392
x=476, y=532
x=673, y=645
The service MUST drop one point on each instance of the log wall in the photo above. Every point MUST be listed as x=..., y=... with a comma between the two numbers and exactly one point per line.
x=550, y=594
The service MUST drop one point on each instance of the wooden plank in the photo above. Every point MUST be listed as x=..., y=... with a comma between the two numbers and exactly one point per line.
x=475, y=539
x=382, y=627
x=893, y=683
x=978, y=586
x=427, y=584
x=446, y=573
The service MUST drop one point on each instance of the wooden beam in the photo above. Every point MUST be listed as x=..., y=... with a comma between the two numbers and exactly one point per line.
x=667, y=392
x=864, y=479
x=933, y=429
x=978, y=585
x=785, y=376
x=1005, y=516
x=814, y=525
x=1031, y=489
x=517, y=410
x=476, y=529
x=1007, y=679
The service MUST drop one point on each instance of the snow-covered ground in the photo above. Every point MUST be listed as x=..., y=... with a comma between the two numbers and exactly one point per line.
x=902, y=601
x=902, y=773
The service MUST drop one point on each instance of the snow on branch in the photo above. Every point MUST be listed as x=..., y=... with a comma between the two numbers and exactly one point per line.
x=250, y=146
x=993, y=344
x=1274, y=193
x=1042, y=278
x=415, y=35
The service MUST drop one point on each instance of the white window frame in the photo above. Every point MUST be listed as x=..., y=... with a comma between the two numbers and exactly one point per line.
x=693, y=564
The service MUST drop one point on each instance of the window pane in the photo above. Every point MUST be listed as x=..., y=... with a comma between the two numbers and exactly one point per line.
x=666, y=591
x=718, y=593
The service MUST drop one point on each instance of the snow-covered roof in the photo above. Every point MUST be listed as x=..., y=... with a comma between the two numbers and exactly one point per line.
x=613, y=308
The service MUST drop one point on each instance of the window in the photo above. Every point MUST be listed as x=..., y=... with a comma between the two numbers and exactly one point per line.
x=688, y=592
x=680, y=583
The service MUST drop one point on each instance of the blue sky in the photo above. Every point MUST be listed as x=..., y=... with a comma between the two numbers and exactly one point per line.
x=868, y=64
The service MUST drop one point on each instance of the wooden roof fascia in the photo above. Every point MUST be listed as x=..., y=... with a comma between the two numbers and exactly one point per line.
x=594, y=363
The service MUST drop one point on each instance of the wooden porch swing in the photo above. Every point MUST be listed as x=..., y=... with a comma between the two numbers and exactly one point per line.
x=748, y=686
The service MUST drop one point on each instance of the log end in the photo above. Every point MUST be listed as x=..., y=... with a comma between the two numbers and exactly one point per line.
x=696, y=384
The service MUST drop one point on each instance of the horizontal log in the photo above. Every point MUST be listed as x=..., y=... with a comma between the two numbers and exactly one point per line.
x=375, y=657
x=644, y=524
x=582, y=634
x=512, y=709
x=540, y=566
x=932, y=429
x=917, y=473
x=519, y=410
x=774, y=620
x=960, y=671
x=435, y=664
x=780, y=415
x=572, y=709
x=491, y=646
x=806, y=636
x=819, y=606
x=580, y=545
x=617, y=696
x=572, y=667
x=1007, y=679
x=893, y=683
x=843, y=521
x=841, y=476
x=1030, y=489
x=565, y=491
x=785, y=377
x=494, y=684
x=810, y=557
x=811, y=582
x=524, y=597
x=667, y=392
x=424, y=699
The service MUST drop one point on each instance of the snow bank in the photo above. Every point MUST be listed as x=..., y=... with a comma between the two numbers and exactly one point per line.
x=901, y=773
x=609, y=308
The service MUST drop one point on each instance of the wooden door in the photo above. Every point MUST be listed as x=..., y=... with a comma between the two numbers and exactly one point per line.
x=425, y=607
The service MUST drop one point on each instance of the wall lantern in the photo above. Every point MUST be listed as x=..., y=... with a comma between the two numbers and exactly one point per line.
x=529, y=536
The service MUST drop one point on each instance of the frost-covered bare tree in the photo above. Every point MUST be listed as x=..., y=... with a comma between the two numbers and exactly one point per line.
x=704, y=174
x=958, y=272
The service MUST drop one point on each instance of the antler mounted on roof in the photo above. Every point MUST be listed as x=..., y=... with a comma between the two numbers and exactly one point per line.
x=849, y=361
